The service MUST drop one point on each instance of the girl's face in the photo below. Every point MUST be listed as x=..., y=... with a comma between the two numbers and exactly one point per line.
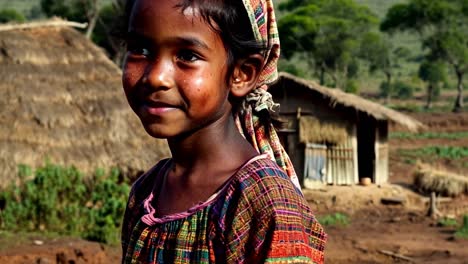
x=175, y=69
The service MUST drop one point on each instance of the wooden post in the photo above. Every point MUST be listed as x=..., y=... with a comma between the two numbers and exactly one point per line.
x=433, y=212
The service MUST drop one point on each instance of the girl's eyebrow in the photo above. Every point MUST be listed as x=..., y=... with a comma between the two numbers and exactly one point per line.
x=184, y=41
x=191, y=41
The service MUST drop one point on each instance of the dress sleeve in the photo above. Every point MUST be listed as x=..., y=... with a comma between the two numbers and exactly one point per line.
x=274, y=224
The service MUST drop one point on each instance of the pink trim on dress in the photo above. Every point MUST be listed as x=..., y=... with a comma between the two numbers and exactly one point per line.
x=150, y=219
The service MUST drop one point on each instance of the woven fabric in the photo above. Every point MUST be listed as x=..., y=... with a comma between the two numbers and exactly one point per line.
x=261, y=132
x=258, y=216
x=262, y=18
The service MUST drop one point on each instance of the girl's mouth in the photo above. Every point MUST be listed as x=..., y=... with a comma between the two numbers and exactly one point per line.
x=157, y=107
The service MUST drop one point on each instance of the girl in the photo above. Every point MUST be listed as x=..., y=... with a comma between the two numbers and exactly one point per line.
x=196, y=73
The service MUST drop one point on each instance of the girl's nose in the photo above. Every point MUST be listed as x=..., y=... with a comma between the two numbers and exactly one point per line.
x=159, y=74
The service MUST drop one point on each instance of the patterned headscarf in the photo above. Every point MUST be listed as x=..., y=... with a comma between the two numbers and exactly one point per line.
x=260, y=133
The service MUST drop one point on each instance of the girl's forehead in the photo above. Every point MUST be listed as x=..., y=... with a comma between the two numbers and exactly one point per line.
x=164, y=21
x=163, y=10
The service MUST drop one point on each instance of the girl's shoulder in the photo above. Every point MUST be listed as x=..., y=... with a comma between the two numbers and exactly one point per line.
x=261, y=172
x=262, y=181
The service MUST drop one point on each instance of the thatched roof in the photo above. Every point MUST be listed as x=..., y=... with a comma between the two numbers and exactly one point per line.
x=338, y=97
x=61, y=99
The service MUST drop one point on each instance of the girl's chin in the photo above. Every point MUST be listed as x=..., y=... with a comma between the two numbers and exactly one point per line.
x=158, y=132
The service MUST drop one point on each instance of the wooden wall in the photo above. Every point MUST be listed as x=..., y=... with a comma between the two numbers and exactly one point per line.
x=381, y=153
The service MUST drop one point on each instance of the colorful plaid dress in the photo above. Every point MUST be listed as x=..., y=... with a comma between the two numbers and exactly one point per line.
x=257, y=216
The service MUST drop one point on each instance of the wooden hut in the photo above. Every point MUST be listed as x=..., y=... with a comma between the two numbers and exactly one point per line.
x=334, y=137
x=61, y=99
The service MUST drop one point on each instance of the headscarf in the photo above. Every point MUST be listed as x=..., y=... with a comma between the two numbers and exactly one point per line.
x=261, y=134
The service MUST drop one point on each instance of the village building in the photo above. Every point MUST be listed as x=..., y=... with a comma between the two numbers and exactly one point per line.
x=334, y=137
x=61, y=100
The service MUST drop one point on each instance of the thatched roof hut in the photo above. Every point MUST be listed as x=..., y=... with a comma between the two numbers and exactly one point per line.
x=338, y=98
x=61, y=99
x=333, y=136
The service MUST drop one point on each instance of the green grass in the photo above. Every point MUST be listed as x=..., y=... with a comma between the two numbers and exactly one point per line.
x=444, y=152
x=429, y=135
x=336, y=219
x=447, y=222
x=462, y=232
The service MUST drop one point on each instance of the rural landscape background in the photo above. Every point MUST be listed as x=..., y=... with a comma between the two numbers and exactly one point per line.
x=416, y=64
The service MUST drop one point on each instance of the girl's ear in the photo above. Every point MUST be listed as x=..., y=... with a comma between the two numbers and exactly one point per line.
x=245, y=75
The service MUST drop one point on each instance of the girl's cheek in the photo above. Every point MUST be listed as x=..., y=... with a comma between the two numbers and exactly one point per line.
x=131, y=73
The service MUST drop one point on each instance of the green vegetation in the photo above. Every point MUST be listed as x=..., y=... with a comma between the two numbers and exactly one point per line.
x=445, y=152
x=429, y=135
x=447, y=222
x=60, y=200
x=462, y=232
x=336, y=219
x=379, y=7
x=441, y=26
x=7, y=15
x=327, y=35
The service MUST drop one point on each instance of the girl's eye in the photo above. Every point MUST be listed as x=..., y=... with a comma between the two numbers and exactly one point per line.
x=187, y=56
x=139, y=51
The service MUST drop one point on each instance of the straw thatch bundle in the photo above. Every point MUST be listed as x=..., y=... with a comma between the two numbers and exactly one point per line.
x=61, y=99
x=429, y=179
x=312, y=130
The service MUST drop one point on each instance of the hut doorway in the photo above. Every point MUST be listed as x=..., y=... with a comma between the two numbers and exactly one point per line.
x=366, y=149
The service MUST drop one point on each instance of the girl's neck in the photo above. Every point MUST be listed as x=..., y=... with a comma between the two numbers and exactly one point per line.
x=219, y=146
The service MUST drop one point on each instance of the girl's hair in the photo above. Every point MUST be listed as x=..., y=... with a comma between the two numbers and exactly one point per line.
x=228, y=18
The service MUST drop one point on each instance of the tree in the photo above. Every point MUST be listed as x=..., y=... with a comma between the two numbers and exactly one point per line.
x=105, y=32
x=377, y=49
x=75, y=10
x=433, y=73
x=326, y=33
x=442, y=26
x=451, y=46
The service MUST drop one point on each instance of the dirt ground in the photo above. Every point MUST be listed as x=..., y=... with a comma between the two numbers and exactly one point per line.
x=377, y=233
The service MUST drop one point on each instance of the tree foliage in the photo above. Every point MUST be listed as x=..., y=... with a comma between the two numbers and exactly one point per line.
x=101, y=20
x=8, y=15
x=434, y=74
x=74, y=10
x=378, y=51
x=326, y=33
x=442, y=26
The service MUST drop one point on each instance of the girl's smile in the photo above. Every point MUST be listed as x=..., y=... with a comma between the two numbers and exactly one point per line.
x=174, y=75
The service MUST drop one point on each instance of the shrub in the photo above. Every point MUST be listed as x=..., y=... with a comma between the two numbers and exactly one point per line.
x=462, y=232
x=336, y=219
x=352, y=87
x=447, y=222
x=403, y=90
x=398, y=89
x=7, y=15
x=59, y=199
